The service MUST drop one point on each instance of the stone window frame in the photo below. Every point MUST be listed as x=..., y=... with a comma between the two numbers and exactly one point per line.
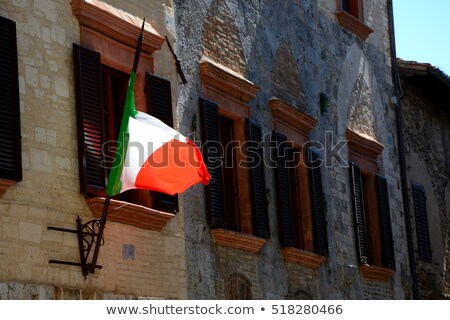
x=232, y=93
x=352, y=18
x=365, y=151
x=113, y=33
x=296, y=126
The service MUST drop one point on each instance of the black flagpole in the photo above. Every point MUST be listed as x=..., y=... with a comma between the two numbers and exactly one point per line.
x=108, y=198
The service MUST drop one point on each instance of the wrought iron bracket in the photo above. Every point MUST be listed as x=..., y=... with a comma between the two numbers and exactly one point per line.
x=88, y=237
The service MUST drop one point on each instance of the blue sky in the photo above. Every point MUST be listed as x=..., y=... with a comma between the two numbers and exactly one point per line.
x=422, y=31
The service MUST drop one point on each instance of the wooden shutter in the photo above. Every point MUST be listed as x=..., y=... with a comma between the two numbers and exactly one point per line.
x=159, y=105
x=283, y=191
x=10, y=144
x=89, y=101
x=422, y=231
x=212, y=150
x=387, y=241
x=317, y=199
x=359, y=213
x=258, y=184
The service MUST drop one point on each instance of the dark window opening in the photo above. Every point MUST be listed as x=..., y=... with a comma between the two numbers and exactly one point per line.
x=294, y=191
x=115, y=84
x=231, y=200
x=352, y=7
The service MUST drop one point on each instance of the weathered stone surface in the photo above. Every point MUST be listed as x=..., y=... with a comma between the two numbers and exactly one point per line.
x=426, y=125
x=297, y=51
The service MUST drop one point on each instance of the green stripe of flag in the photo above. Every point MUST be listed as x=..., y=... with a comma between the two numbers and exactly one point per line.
x=114, y=182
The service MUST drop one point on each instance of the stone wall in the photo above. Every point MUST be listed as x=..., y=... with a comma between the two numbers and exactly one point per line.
x=426, y=126
x=49, y=194
x=297, y=51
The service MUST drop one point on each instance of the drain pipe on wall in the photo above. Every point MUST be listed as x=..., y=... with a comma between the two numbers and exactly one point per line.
x=401, y=151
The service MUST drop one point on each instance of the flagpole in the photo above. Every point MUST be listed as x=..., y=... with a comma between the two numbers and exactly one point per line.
x=108, y=197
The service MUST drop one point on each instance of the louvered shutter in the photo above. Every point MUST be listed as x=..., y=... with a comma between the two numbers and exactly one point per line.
x=89, y=101
x=317, y=199
x=159, y=100
x=283, y=191
x=211, y=151
x=358, y=211
x=10, y=144
x=258, y=184
x=387, y=241
x=422, y=231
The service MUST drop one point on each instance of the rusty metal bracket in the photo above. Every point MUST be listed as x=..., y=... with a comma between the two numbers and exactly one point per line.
x=88, y=236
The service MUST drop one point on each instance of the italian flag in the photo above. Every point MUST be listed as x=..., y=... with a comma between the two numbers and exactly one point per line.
x=151, y=155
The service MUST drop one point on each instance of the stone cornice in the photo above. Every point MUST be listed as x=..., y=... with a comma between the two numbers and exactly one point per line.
x=358, y=27
x=226, y=80
x=302, y=257
x=363, y=145
x=116, y=24
x=132, y=214
x=5, y=184
x=376, y=273
x=290, y=115
x=238, y=240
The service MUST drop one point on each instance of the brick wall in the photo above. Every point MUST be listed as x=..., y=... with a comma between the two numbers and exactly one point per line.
x=221, y=39
x=49, y=193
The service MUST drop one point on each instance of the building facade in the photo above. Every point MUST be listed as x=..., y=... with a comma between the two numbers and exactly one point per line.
x=426, y=125
x=73, y=61
x=290, y=102
x=289, y=73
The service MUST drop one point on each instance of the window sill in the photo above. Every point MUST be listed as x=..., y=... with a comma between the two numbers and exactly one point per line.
x=238, y=240
x=376, y=273
x=353, y=24
x=5, y=184
x=132, y=214
x=302, y=257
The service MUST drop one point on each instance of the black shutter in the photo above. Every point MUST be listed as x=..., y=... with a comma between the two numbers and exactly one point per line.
x=212, y=150
x=318, y=208
x=258, y=184
x=283, y=193
x=423, y=234
x=159, y=100
x=89, y=100
x=10, y=144
x=387, y=241
x=358, y=211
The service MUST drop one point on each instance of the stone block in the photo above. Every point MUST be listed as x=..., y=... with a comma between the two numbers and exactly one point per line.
x=30, y=232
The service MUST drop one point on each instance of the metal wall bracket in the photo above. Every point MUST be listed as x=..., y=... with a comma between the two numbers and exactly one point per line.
x=88, y=236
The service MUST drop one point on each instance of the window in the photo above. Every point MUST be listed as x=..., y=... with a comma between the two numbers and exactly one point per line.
x=10, y=138
x=371, y=208
x=350, y=14
x=235, y=197
x=421, y=218
x=101, y=92
x=301, y=211
x=353, y=7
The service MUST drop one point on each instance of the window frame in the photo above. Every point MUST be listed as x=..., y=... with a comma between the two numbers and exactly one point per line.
x=353, y=18
x=296, y=127
x=112, y=34
x=363, y=153
x=231, y=93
